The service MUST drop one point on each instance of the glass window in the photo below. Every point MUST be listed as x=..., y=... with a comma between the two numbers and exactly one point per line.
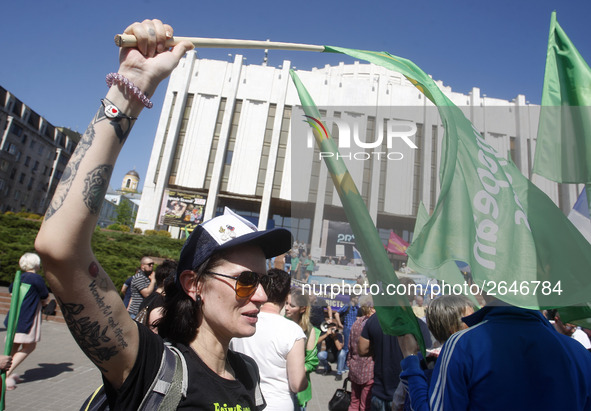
x=16, y=129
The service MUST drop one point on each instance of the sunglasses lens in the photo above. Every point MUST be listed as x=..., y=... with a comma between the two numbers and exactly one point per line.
x=247, y=283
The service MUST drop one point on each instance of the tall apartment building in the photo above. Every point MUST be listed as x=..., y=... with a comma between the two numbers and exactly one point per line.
x=231, y=134
x=33, y=156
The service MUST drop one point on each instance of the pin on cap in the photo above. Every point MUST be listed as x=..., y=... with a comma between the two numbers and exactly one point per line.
x=226, y=231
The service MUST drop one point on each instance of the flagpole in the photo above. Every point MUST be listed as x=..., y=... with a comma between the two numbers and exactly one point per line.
x=13, y=315
x=129, y=40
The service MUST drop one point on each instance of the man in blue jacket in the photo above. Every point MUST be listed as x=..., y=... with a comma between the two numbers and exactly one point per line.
x=509, y=358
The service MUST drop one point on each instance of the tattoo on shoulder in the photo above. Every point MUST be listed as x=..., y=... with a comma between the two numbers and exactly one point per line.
x=95, y=187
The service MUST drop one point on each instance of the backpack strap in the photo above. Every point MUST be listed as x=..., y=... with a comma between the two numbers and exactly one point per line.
x=184, y=368
x=254, y=375
x=97, y=401
x=167, y=387
x=165, y=392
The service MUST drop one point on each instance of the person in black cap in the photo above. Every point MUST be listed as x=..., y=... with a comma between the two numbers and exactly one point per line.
x=216, y=294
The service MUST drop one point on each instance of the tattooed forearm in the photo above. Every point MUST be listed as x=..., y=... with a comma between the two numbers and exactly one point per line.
x=95, y=187
x=121, y=125
x=122, y=128
x=63, y=188
x=89, y=335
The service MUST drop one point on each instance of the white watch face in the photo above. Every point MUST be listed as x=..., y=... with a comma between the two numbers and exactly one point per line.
x=111, y=111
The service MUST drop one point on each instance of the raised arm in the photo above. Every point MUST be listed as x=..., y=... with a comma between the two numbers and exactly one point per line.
x=89, y=301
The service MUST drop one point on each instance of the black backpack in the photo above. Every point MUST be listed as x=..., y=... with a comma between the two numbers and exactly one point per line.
x=166, y=391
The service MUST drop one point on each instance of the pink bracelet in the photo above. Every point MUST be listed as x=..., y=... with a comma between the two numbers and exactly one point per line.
x=119, y=79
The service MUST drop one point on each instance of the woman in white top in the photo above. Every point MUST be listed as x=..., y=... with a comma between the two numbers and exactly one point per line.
x=278, y=346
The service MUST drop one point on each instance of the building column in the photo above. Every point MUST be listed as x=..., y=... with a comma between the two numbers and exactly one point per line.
x=165, y=143
x=220, y=155
x=274, y=149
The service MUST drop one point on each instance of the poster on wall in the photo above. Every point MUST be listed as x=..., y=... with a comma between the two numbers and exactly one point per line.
x=182, y=209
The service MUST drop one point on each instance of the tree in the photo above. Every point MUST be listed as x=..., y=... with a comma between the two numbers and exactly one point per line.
x=125, y=214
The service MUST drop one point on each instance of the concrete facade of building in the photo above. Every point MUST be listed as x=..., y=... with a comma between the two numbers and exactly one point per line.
x=233, y=133
x=33, y=156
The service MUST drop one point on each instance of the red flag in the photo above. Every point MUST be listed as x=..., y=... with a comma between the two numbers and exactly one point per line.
x=396, y=245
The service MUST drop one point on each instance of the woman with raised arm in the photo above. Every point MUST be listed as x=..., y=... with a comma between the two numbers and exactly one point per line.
x=216, y=294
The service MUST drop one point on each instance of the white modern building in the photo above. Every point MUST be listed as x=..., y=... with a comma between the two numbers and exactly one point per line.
x=232, y=134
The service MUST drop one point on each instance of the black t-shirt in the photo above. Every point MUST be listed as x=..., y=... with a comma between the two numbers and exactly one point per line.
x=206, y=390
x=331, y=347
x=387, y=356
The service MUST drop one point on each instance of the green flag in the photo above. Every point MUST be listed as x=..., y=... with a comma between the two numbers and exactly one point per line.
x=453, y=281
x=520, y=247
x=563, y=150
x=394, y=312
x=19, y=291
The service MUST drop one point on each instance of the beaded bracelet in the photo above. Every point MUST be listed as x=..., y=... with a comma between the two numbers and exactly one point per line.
x=121, y=80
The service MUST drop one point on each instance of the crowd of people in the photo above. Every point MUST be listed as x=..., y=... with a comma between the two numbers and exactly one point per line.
x=239, y=334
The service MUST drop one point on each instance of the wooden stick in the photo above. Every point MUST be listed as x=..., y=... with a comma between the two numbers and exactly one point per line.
x=129, y=40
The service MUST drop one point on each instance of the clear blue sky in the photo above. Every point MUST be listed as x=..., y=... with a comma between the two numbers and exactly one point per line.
x=55, y=54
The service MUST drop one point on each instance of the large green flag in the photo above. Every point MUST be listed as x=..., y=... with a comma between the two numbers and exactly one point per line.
x=520, y=247
x=563, y=150
x=452, y=280
x=394, y=312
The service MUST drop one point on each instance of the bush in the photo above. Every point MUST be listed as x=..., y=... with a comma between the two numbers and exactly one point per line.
x=150, y=232
x=163, y=233
x=117, y=252
x=26, y=214
x=119, y=227
x=137, y=230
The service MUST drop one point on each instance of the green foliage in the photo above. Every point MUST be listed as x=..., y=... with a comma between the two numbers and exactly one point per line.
x=163, y=233
x=118, y=253
x=150, y=232
x=125, y=215
x=137, y=230
x=32, y=216
x=119, y=227
x=17, y=236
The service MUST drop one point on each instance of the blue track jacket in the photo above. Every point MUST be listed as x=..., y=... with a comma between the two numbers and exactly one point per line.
x=509, y=359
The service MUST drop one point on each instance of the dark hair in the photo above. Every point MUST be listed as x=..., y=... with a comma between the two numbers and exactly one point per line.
x=180, y=313
x=165, y=270
x=277, y=285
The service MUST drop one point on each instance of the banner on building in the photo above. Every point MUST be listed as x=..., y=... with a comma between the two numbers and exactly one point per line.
x=338, y=240
x=182, y=209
